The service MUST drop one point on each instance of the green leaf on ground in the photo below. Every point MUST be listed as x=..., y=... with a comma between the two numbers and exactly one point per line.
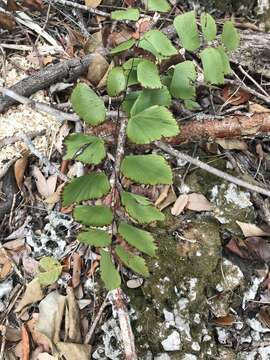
x=140, y=208
x=140, y=239
x=49, y=271
x=212, y=66
x=159, y=43
x=123, y=46
x=93, y=215
x=134, y=262
x=109, y=275
x=151, y=124
x=230, y=36
x=88, y=105
x=150, y=97
x=147, y=169
x=158, y=5
x=209, y=27
x=128, y=14
x=116, y=81
x=95, y=237
x=86, y=187
x=148, y=75
x=85, y=148
x=186, y=28
x=182, y=84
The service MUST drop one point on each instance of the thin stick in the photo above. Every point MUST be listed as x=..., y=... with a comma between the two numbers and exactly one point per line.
x=116, y=298
x=41, y=157
x=81, y=7
x=266, y=99
x=39, y=106
x=254, y=81
x=91, y=331
x=178, y=154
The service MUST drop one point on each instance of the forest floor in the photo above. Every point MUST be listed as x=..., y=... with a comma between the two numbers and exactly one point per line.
x=208, y=295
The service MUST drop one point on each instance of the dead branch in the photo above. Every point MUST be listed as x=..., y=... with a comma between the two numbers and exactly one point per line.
x=116, y=298
x=180, y=155
x=68, y=70
x=205, y=129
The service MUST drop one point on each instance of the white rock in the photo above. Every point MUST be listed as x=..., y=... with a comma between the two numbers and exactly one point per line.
x=257, y=326
x=172, y=342
x=195, y=346
x=189, y=357
x=222, y=335
x=162, y=357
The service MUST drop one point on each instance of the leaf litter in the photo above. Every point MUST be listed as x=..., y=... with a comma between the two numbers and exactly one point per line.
x=60, y=295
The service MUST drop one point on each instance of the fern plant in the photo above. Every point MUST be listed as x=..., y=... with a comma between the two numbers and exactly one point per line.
x=120, y=239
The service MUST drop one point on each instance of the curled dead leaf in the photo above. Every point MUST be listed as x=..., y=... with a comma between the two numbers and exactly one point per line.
x=97, y=69
x=198, y=202
x=250, y=230
x=180, y=204
x=227, y=320
x=33, y=294
x=234, y=95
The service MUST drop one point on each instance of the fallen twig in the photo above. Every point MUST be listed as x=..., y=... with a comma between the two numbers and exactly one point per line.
x=41, y=157
x=68, y=70
x=81, y=7
x=233, y=126
x=116, y=298
x=91, y=331
x=39, y=106
x=180, y=155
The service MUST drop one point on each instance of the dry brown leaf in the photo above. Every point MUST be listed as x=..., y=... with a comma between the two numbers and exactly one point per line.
x=170, y=199
x=11, y=334
x=249, y=230
x=46, y=187
x=46, y=356
x=232, y=144
x=163, y=195
x=14, y=245
x=33, y=5
x=19, y=169
x=76, y=273
x=12, y=5
x=6, y=269
x=7, y=21
x=74, y=329
x=97, y=69
x=264, y=315
x=33, y=294
x=74, y=351
x=55, y=197
x=94, y=43
x=103, y=81
x=198, y=202
x=40, y=340
x=51, y=310
x=234, y=95
x=227, y=320
x=180, y=204
x=92, y=3
x=257, y=108
x=25, y=344
x=30, y=265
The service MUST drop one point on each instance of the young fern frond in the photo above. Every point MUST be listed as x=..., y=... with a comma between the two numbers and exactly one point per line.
x=149, y=119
